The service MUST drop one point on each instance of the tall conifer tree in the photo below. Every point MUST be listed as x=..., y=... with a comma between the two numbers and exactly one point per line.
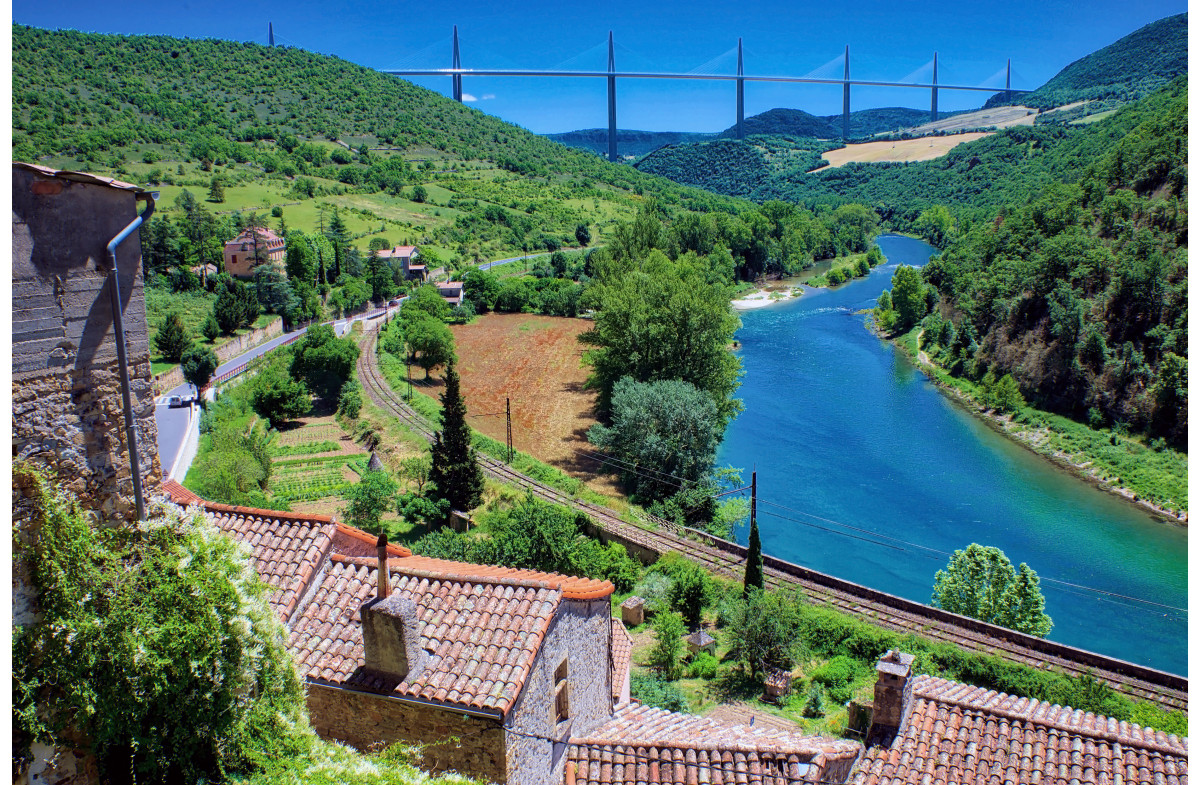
x=754, y=560
x=455, y=473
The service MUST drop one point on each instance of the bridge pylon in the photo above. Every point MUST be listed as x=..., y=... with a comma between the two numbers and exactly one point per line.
x=933, y=104
x=741, y=96
x=846, y=97
x=455, y=62
x=612, y=101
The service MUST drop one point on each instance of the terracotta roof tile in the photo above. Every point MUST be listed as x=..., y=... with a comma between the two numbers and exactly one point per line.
x=642, y=744
x=959, y=733
x=622, y=655
x=459, y=620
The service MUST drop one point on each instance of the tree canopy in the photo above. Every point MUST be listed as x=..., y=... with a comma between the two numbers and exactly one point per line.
x=980, y=582
x=324, y=362
x=455, y=473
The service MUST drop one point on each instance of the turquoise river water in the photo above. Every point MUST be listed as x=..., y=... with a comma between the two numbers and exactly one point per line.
x=845, y=432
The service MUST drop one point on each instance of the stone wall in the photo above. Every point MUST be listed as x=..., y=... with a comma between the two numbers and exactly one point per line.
x=580, y=634
x=68, y=412
x=165, y=382
x=452, y=741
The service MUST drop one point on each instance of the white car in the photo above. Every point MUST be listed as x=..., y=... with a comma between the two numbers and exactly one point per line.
x=176, y=402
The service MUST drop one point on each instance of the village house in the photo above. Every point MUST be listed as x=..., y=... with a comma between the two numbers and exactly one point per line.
x=927, y=729
x=251, y=248
x=511, y=675
x=451, y=292
x=406, y=256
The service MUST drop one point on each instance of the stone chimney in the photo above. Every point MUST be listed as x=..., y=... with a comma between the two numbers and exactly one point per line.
x=893, y=694
x=390, y=630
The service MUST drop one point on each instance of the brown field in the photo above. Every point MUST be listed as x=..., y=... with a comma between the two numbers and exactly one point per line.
x=923, y=149
x=536, y=362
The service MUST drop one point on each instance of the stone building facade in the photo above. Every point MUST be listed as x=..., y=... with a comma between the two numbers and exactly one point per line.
x=68, y=411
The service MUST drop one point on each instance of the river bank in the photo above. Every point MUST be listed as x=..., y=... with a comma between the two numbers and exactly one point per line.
x=1039, y=439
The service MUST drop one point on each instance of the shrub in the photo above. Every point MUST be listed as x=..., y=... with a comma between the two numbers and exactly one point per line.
x=651, y=690
x=838, y=676
x=704, y=666
x=668, y=644
x=172, y=338
x=814, y=705
x=350, y=401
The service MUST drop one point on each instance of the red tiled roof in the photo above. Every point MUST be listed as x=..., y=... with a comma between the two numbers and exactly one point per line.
x=271, y=239
x=483, y=635
x=642, y=744
x=959, y=733
x=622, y=656
x=400, y=251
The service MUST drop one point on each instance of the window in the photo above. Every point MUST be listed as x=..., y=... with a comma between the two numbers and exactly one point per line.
x=233, y=260
x=562, y=706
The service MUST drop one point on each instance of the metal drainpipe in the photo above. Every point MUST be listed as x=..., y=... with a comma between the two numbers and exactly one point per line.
x=122, y=359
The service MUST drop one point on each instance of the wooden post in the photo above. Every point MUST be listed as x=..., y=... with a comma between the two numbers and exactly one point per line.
x=508, y=417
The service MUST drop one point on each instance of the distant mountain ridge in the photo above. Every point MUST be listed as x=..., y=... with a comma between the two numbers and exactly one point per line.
x=1128, y=69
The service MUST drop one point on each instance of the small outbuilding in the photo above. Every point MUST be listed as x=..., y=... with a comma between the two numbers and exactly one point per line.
x=701, y=641
x=777, y=684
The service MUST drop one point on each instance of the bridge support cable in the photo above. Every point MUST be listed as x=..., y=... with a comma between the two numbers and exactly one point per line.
x=846, y=97
x=612, y=101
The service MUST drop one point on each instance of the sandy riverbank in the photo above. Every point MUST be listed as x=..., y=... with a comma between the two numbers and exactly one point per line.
x=765, y=297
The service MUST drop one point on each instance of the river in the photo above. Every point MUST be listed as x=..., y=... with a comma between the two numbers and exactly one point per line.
x=867, y=472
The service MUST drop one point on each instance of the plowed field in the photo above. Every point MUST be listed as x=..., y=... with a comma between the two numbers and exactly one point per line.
x=534, y=361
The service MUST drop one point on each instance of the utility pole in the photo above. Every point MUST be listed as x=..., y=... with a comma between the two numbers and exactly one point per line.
x=508, y=417
x=408, y=365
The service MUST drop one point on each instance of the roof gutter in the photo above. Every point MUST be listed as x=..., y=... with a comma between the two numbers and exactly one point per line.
x=122, y=356
x=454, y=708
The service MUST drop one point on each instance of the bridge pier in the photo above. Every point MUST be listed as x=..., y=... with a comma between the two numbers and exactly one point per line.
x=933, y=105
x=741, y=97
x=846, y=97
x=1008, y=81
x=456, y=79
x=612, y=101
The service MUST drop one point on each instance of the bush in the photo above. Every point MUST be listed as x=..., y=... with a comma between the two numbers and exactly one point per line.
x=350, y=401
x=668, y=644
x=814, y=705
x=704, y=666
x=172, y=338
x=651, y=690
x=838, y=676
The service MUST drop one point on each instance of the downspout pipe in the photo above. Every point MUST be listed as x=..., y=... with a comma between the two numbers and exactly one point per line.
x=122, y=356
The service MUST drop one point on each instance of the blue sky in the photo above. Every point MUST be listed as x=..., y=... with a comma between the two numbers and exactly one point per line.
x=888, y=40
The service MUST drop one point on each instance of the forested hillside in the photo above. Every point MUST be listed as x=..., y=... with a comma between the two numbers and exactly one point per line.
x=1080, y=293
x=279, y=127
x=1126, y=70
x=738, y=168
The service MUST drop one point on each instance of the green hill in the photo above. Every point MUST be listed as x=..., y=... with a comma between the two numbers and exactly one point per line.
x=634, y=143
x=306, y=134
x=788, y=122
x=737, y=168
x=1126, y=70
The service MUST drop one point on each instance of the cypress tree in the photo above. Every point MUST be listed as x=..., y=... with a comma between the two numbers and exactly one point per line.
x=455, y=474
x=754, y=561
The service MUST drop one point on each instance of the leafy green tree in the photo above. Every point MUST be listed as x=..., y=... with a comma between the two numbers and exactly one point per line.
x=216, y=191
x=324, y=362
x=814, y=703
x=649, y=689
x=273, y=291
x=379, y=276
x=198, y=364
x=481, y=288
x=325, y=257
x=668, y=645
x=300, y=258
x=1006, y=395
x=664, y=320
x=430, y=341
x=455, y=473
x=980, y=582
x=663, y=434
x=425, y=298
x=276, y=396
x=369, y=499
x=691, y=592
x=583, y=235
x=350, y=401
x=419, y=194
x=763, y=631
x=172, y=338
x=339, y=238
x=908, y=297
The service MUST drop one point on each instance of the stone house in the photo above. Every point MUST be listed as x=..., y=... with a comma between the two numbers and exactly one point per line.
x=81, y=382
x=251, y=248
x=406, y=256
x=929, y=729
x=506, y=674
x=451, y=292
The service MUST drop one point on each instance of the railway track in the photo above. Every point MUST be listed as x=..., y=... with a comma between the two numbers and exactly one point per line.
x=728, y=560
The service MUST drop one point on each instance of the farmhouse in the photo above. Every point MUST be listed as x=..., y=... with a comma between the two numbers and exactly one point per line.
x=406, y=256
x=251, y=248
x=451, y=292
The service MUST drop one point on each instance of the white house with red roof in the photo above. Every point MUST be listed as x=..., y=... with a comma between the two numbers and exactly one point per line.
x=406, y=256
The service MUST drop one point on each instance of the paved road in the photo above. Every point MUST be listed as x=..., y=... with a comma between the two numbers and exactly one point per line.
x=175, y=424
